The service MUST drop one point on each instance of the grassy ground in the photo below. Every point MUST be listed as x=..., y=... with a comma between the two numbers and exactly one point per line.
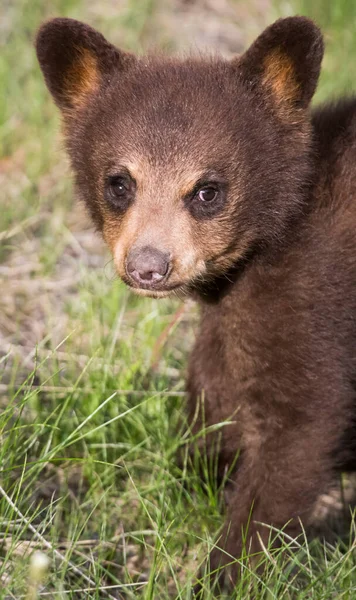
x=92, y=379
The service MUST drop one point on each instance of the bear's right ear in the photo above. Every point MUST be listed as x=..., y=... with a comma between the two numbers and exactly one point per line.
x=76, y=61
x=284, y=62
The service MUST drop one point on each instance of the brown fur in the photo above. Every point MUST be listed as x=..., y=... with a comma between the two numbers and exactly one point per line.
x=280, y=76
x=82, y=78
x=272, y=260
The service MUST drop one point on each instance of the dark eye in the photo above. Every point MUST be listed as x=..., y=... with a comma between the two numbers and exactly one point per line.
x=120, y=191
x=207, y=194
x=208, y=198
x=119, y=186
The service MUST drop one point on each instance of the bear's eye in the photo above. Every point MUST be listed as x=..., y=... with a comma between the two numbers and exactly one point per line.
x=119, y=186
x=119, y=191
x=208, y=194
x=208, y=198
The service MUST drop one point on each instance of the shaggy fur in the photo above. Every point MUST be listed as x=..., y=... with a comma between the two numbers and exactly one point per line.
x=221, y=168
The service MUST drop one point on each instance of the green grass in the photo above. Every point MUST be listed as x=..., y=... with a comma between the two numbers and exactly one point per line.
x=92, y=378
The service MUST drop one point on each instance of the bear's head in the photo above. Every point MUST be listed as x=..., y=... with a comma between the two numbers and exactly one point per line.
x=187, y=166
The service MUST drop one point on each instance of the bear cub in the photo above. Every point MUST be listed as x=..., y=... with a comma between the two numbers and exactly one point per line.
x=214, y=178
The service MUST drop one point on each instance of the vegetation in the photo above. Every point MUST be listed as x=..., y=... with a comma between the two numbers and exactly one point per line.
x=92, y=378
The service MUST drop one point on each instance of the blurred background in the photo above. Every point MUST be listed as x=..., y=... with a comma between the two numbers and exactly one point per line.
x=92, y=378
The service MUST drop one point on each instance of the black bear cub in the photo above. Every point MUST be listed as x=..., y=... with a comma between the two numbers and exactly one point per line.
x=213, y=178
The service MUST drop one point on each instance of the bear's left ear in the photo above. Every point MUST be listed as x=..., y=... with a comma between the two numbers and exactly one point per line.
x=76, y=61
x=285, y=61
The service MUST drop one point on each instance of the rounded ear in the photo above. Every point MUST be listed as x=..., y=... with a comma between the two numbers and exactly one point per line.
x=285, y=61
x=76, y=61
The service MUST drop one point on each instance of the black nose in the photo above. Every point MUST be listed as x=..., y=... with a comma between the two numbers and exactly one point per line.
x=147, y=265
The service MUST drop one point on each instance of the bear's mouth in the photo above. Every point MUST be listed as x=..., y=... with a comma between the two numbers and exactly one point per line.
x=155, y=292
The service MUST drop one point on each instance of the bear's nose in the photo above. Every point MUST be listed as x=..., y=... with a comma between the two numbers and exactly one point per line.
x=147, y=265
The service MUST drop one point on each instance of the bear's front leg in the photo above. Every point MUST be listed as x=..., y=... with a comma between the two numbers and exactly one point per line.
x=276, y=486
